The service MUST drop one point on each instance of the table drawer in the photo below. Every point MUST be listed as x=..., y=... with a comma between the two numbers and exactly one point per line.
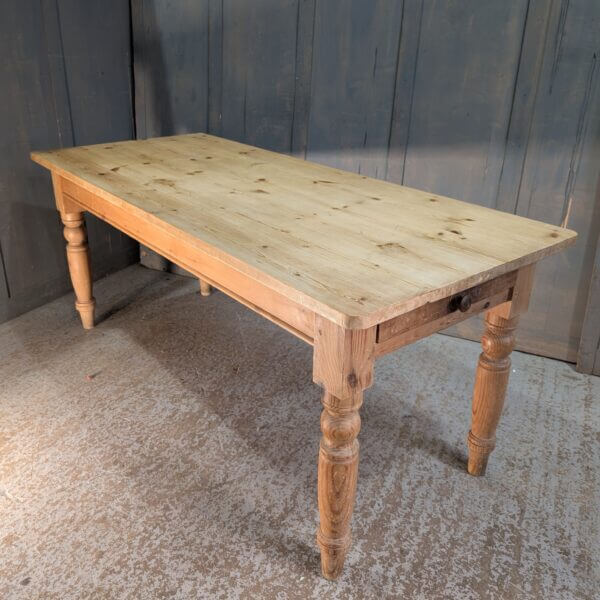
x=438, y=315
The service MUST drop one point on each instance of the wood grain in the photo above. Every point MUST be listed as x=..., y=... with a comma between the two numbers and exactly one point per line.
x=337, y=478
x=251, y=242
x=493, y=370
x=490, y=389
x=352, y=249
x=343, y=358
x=559, y=178
x=343, y=366
x=78, y=258
x=518, y=119
x=464, y=72
x=78, y=255
x=355, y=52
x=285, y=312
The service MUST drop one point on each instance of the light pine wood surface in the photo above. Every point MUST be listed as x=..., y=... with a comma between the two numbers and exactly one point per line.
x=493, y=369
x=354, y=249
x=355, y=266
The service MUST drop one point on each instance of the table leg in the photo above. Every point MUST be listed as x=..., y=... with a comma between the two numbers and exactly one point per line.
x=205, y=288
x=337, y=476
x=343, y=365
x=493, y=369
x=78, y=259
x=491, y=381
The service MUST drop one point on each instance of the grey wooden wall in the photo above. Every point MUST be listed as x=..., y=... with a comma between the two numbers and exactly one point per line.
x=65, y=77
x=493, y=102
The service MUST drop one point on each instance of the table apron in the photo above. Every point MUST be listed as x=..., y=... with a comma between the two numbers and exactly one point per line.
x=286, y=313
x=436, y=316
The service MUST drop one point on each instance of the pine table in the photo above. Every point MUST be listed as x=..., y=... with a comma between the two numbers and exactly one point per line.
x=354, y=266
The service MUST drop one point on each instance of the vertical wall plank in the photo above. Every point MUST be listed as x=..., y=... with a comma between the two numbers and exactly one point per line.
x=215, y=66
x=94, y=84
x=354, y=68
x=4, y=287
x=32, y=249
x=139, y=33
x=54, y=73
x=171, y=66
x=305, y=30
x=259, y=48
x=408, y=51
x=588, y=356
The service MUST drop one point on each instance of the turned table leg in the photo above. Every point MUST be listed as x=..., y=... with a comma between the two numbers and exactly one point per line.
x=205, y=288
x=493, y=369
x=343, y=366
x=491, y=381
x=337, y=476
x=78, y=259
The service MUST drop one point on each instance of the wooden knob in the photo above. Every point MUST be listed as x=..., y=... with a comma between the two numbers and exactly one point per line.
x=465, y=303
x=461, y=302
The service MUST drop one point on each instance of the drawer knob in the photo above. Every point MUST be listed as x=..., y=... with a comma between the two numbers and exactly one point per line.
x=462, y=303
x=465, y=303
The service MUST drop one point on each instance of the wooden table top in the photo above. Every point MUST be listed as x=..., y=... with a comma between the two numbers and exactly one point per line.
x=337, y=242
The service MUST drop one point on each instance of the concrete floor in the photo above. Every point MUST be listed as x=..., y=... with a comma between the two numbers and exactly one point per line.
x=171, y=453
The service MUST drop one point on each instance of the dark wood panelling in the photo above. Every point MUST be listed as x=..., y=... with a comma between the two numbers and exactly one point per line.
x=354, y=68
x=65, y=74
x=29, y=234
x=559, y=179
x=215, y=65
x=466, y=67
x=408, y=51
x=97, y=59
x=588, y=357
x=259, y=57
x=523, y=103
x=492, y=102
x=170, y=46
x=305, y=32
x=559, y=152
x=560, y=175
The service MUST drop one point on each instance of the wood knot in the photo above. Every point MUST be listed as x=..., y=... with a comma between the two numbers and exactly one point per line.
x=352, y=380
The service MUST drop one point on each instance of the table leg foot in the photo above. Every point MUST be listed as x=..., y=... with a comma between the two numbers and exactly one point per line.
x=205, y=288
x=332, y=558
x=479, y=451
